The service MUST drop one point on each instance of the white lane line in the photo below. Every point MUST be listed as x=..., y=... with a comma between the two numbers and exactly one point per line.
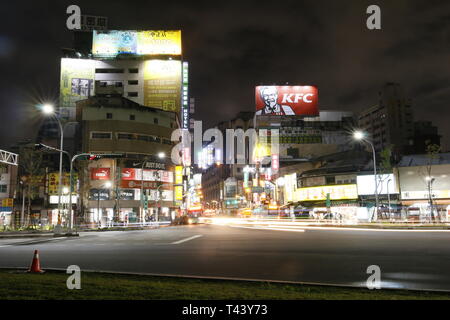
x=266, y=228
x=187, y=239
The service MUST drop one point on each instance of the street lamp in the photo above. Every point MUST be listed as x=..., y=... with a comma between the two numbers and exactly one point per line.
x=430, y=181
x=362, y=136
x=49, y=109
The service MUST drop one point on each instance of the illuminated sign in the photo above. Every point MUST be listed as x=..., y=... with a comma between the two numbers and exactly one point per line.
x=185, y=98
x=178, y=181
x=366, y=184
x=53, y=182
x=338, y=192
x=275, y=163
x=100, y=173
x=77, y=81
x=416, y=195
x=152, y=42
x=162, y=84
x=287, y=100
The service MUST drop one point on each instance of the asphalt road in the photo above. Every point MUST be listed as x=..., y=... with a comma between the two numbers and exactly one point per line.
x=413, y=260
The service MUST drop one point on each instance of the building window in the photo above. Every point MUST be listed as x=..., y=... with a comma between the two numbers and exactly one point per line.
x=132, y=117
x=108, y=70
x=330, y=180
x=133, y=70
x=132, y=94
x=3, y=188
x=101, y=135
x=133, y=82
x=126, y=136
x=109, y=115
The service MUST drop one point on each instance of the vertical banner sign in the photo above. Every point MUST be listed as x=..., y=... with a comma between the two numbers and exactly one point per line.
x=185, y=97
x=275, y=163
x=162, y=84
x=178, y=182
x=246, y=179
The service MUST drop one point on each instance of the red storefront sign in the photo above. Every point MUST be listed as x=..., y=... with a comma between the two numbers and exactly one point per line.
x=100, y=173
x=129, y=174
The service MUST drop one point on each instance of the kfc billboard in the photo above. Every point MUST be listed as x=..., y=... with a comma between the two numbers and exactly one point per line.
x=287, y=100
x=100, y=173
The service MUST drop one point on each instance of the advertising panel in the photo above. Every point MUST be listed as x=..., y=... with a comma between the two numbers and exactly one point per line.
x=162, y=84
x=338, y=192
x=287, y=100
x=178, y=180
x=53, y=182
x=100, y=173
x=77, y=81
x=113, y=42
x=99, y=194
x=149, y=175
x=136, y=184
x=366, y=184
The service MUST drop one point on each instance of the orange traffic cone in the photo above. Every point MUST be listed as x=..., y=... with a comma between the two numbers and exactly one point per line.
x=35, y=265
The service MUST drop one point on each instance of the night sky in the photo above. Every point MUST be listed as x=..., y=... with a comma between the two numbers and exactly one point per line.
x=233, y=46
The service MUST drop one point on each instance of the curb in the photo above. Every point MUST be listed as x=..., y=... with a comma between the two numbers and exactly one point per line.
x=234, y=279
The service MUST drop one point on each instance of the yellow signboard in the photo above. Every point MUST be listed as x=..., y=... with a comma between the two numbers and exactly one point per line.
x=162, y=84
x=150, y=42
x=77, y=81
x=338, y=192
x=178, y=180
x=159, y=42
x=53, y=182
x=8, y=202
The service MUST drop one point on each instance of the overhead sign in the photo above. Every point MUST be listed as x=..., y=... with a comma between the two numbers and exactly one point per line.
x=287, y=100
x=110, y=43
x=337, y=192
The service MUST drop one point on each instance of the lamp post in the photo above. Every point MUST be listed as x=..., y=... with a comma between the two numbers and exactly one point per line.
x=389, y=198
x=430, y=181
x=49, y=109
x=361, y=136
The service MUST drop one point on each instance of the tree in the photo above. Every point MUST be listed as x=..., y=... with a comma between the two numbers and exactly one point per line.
x=30, y=167
x=433, y=151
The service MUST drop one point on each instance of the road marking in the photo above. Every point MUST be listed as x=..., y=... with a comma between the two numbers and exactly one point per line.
x=187, y=239
x=266, y=228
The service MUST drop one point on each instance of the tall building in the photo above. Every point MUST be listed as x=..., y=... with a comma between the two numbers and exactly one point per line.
x=390, y=122
x=111, y=189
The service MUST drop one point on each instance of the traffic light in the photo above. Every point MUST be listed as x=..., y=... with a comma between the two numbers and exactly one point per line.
x=145, y=202
x=95, y=157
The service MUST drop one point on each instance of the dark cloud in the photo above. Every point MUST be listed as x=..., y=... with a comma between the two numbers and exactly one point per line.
x=234, y=45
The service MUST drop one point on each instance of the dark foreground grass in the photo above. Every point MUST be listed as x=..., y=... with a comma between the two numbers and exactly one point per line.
x=52, y=285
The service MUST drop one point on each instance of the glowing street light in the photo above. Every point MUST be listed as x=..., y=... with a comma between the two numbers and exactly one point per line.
x=48, y=108
x=362, y=136
x=161, y=155
x=359, y=135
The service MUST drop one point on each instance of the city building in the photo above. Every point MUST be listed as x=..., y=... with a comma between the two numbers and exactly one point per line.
x=115, y=189
x=390, y=122
x=424, y=182
x=301, y=139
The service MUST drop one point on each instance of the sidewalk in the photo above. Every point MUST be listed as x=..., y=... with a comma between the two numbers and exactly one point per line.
x=47, y=233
